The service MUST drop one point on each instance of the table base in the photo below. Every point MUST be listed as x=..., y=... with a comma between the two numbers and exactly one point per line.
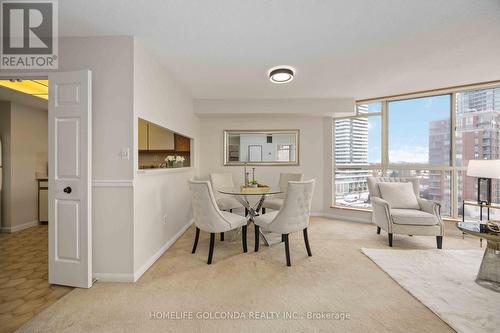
x=489, y=272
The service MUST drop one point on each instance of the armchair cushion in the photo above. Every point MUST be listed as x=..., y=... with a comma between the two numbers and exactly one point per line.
x=413, y=217
x=399, y=195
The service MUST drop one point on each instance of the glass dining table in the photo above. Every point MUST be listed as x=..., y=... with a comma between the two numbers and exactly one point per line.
x=253, y=207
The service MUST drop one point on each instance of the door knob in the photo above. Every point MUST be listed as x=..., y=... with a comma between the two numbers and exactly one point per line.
x=67, y=190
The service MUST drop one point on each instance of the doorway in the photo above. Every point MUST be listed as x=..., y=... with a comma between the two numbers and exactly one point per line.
x=24, y=201
x=45, y=257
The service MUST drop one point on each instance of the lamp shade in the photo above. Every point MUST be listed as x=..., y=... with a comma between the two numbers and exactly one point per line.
x=484, y=168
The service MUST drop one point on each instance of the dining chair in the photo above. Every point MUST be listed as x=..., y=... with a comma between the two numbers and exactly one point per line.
x=223, y=181
x=209, y=218
x=276, y=202
x=292, y=217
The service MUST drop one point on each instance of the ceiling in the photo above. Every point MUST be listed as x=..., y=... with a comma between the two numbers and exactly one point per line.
x=340, y=48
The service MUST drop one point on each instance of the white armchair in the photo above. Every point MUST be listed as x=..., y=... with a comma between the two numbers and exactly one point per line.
x=397, y=212
x=209, y=218
x=276, y=202
x=224, y=202
x=292, y=217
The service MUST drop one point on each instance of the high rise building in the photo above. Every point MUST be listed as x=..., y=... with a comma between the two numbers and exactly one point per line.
x=351, y=148
x=477, y=136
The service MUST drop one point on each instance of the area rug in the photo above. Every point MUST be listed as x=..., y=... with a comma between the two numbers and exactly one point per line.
x=443, y=280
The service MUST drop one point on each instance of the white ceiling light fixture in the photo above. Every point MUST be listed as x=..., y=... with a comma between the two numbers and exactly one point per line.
x=281, y=74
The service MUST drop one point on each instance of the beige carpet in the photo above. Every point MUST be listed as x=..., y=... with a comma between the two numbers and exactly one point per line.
x=337, y=279
x=444, y=280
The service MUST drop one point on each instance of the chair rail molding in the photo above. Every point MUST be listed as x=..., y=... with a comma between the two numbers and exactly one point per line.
x=112, y=183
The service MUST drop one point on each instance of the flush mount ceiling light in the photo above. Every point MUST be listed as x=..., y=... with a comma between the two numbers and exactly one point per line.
x=281, y=74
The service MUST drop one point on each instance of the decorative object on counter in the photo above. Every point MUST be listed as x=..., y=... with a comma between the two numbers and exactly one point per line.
x=170, y=161
x=179, y=161
x=245, y=174
x=493, y=226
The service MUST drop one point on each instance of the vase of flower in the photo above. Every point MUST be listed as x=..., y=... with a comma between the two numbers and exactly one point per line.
x=170, y=160
x=179, y=161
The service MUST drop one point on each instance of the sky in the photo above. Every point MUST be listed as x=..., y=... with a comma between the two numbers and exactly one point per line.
x=408, y=128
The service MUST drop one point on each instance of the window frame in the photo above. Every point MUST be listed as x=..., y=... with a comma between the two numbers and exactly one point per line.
x=385, y=165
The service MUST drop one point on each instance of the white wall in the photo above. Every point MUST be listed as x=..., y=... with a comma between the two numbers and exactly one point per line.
x=111, y=61
x=25, y=153
x=162, y=202
x=310, y=155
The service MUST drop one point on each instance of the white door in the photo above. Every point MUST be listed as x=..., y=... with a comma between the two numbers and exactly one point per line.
x=70, y=217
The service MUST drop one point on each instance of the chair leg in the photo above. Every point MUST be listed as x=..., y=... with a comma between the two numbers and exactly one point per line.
x=390, y=239
x=196, y=240
x=221, y=236
x=211, y=248
x=306, y=240
x=287, y=251
x=244, y=238
x=378, y=230
x=246, y=212
x=263, y=210
x=257, y=238
x=282, y=238
x=439, y=241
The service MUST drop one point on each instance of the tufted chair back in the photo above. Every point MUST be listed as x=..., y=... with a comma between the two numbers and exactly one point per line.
x=284, y=179
x=207, y=215
x=221, y=181
x=294, y=215
x=375, y=191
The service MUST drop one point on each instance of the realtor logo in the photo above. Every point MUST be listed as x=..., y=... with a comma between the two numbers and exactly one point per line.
x=29, y=34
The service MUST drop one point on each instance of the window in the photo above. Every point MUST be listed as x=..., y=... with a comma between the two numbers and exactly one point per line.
x=419, y=131
x=419, y=142
x=358, y=149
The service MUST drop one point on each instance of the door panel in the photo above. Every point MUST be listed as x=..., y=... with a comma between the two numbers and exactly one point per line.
x=67, y=136
x=67, y=228
x=70, y=158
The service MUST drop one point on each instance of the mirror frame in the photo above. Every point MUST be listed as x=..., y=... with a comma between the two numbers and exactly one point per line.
x=227, y=133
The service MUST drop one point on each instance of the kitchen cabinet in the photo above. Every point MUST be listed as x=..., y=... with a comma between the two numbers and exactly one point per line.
x=160, y=138
x=143, y=135
x=182, y=144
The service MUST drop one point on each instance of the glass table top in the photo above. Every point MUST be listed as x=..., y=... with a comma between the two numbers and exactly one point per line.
x=473, y=228
x=250, y=191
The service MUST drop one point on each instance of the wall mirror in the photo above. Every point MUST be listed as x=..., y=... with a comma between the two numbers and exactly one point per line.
x=261, y=147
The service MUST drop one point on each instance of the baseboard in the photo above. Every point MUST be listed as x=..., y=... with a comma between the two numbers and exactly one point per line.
x=19, y=227
x=113, y=277
x=138, y=273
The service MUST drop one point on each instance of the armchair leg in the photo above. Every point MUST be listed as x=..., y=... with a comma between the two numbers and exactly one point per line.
x=196, y=239
x=439, y=241
x=244, y=238
x=211, y=248
x=287, y=251
x=263, y=210
x=257, y=238
x=306, y=240
x=390, y=239
x=221, y=236
x=378, y=230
